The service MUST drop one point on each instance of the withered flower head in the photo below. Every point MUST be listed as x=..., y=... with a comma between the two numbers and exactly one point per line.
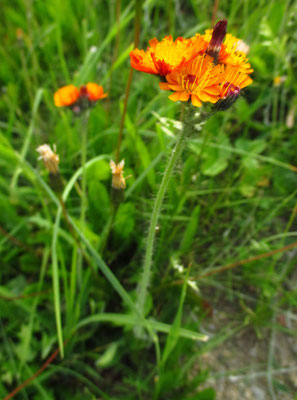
x=218, y=35
x=50, y=158
x=118, y=180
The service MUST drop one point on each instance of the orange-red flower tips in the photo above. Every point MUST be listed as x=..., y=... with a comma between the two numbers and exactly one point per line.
x=163, y=57
x=92, y=91
x=49, y=157
x=199, y=79
x=66, y=96
x=118, y=180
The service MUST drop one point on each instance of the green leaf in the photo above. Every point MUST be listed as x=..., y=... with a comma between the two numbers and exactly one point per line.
x=215, y=160
x=99, y=171
x=256, y=146
x=99, y=197
x=125, y=221
x=206, y=394
x=190, y=231
x=108, y=357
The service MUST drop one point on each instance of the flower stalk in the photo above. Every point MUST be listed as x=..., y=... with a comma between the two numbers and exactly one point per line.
x=83, y=163
x=188, y=127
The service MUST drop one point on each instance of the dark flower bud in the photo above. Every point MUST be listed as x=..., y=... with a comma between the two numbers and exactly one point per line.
x=230, y=94
x=218, y=35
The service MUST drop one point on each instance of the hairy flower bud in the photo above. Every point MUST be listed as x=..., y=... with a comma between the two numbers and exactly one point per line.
x=218, y=35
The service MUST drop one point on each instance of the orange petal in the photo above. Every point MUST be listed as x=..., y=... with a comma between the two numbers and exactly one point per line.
x=142, y=61
x=195, y=101
x=164, y=86
x=95, y=92
x=184, y=96
x=66, y=96
x=176, y=96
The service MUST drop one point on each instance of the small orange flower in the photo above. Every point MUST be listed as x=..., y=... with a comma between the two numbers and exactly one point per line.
x=93, y=91
x=199, y=79
x=235, y=80
x=66, y=96
x=163, y=57
x=234, y=53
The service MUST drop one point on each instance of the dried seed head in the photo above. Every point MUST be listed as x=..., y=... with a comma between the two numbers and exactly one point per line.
x=118, y=180
x=49, y=157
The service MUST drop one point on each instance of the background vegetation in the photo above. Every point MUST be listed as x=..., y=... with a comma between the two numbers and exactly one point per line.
x=232, y=197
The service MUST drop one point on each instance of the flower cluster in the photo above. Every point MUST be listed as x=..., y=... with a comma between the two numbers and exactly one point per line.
x=77, y=98
x=204, y=68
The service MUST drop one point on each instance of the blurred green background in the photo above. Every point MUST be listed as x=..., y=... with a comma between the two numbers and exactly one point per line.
x=232, y=197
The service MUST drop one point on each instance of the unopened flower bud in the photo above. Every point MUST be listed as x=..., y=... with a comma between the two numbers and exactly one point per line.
x=230, y=94
x=218, y=35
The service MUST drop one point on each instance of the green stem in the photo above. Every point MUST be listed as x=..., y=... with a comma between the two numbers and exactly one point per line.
x=83, y=163
x=175, y=155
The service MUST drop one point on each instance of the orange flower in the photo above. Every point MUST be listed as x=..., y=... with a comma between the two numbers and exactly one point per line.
x=66, y=96
x=234, y=53
x=199, y=79
x=93, y=91
x=235, y=80
x=163, y=57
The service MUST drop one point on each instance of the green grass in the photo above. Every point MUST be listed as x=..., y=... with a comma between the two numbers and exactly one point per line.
x=232, y=196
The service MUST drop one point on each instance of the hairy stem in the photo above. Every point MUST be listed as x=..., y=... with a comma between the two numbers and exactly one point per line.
x=174, y=157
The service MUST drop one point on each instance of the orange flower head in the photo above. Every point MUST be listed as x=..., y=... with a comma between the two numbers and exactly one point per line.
x=234, y=53
x=92, y=91
x=199, y=79
x=163, y=57
x=235, y=80
x=66, y=96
